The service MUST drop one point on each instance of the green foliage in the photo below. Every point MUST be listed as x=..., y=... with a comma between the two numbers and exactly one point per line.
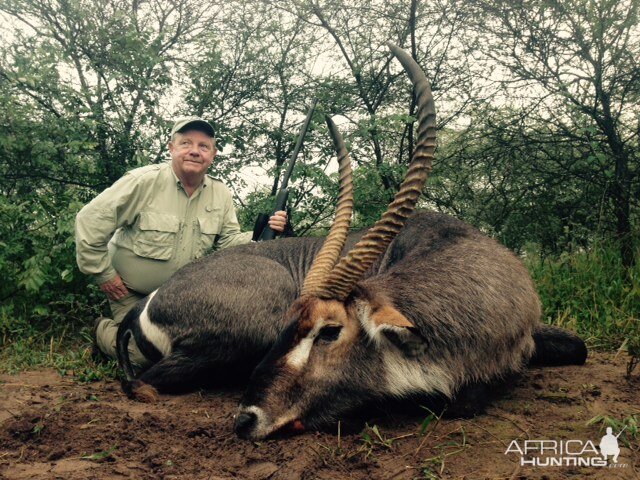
x=521, y=181
x=369, y=196
x=632, y=345
x=591, y=293
x=100, y=456
x=88, y=90
x=50, y=339
x=628, y=428
x=373, y=440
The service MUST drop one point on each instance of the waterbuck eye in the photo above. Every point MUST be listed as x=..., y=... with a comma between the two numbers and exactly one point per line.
x=329, y=333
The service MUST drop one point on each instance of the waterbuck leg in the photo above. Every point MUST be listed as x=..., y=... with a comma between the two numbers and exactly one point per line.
x=556, y=346
x=470, y=401
x=173, y=374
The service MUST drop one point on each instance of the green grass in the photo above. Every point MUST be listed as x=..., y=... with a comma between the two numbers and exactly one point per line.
x=591, y=293
x=58, y=340
x=69, y=358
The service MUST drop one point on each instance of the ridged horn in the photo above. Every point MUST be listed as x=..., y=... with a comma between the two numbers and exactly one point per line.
x=327, y=257
x=352, y=267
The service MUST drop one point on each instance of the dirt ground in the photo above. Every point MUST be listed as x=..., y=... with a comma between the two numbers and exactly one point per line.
x=53, y=427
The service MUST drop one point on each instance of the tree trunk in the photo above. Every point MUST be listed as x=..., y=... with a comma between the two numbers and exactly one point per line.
x=621, y=186
x=621, y=208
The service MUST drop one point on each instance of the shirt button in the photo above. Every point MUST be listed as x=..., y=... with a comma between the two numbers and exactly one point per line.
x=208, y=208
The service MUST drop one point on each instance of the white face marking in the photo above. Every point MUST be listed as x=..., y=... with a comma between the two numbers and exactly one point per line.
x=371, y=329
x=263, y=426
x=152, y=332
x=298, y=357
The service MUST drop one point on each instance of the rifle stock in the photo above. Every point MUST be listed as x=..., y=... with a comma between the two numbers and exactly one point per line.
x=279, y=204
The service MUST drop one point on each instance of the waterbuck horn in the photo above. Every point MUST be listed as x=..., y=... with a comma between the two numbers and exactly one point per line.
x=352, y=267
x=328, y=255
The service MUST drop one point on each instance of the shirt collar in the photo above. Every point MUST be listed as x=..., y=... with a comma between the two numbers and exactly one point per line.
x=205, y=183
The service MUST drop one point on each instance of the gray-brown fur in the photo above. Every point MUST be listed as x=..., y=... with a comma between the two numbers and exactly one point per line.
x=472, y=303
x=222, y=313
x=471, y=299
x=472, y=310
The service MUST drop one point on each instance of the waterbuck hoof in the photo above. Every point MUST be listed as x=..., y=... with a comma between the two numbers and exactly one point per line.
x=143, y=392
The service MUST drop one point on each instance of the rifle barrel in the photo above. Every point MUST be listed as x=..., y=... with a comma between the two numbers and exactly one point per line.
x=296, y=150
x=266, y=232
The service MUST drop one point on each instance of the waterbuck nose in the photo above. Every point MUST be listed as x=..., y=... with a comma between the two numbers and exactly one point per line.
x=244, y=424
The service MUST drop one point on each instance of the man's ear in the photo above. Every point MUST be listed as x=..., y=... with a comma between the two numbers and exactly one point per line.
x=387, y=323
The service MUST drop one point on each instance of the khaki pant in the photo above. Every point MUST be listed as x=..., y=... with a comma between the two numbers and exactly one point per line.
x=108, y=330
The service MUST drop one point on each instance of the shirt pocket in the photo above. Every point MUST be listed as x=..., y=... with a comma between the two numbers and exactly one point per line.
x=209, y=230
x=156, y=236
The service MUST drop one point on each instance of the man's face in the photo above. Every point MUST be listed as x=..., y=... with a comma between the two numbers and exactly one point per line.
x=192, y=153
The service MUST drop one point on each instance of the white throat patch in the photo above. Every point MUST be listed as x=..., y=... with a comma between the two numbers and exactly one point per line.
x=406, y=376
x=403, y=375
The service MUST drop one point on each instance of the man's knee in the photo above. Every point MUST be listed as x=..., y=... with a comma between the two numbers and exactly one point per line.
x=106, y=334
x=106, y=339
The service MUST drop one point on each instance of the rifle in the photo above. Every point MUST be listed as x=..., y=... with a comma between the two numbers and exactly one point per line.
x=261, y=230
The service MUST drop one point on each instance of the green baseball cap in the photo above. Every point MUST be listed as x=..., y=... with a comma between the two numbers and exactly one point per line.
x=192, y=123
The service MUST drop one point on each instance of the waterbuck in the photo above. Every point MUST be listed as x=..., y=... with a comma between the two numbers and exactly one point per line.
x=422, y=304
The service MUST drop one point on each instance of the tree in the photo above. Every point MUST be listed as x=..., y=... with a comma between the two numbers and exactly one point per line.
x=504, y=175
x=103, y=65
x=363, y=87
x=265, y=61
x=578, y=60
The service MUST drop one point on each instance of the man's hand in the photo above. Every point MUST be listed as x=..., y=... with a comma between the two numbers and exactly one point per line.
x=278, y=221
x=115, y=288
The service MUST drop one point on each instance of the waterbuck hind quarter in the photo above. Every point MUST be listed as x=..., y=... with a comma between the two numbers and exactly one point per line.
x=215, y=319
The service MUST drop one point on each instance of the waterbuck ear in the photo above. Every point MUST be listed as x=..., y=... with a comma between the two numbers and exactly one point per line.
x=387, y=315
x=389, y=323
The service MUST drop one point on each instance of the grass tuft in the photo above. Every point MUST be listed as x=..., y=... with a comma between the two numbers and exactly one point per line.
x=591, y=293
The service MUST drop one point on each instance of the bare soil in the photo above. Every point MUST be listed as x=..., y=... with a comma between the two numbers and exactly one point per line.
x=52, y=427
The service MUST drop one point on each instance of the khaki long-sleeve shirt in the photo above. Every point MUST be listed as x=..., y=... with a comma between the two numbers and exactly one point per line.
x=145, y=227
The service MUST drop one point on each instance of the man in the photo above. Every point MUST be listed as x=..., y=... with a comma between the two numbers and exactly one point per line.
x=154, y=220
